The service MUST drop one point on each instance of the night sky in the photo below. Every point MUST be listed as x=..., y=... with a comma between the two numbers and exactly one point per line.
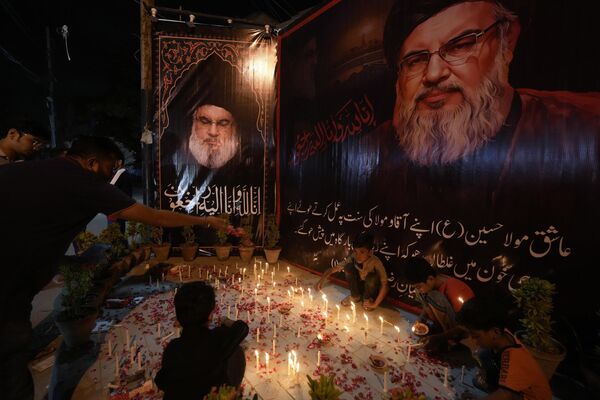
x=97, y=92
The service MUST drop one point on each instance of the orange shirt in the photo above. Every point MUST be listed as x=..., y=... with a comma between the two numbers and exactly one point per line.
x=520, y=373
x=456, y=290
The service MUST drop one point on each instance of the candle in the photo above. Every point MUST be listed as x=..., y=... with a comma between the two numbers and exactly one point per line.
x=255, y=292
x=226, y=268
x=381, y=325
x=310, y=297
x=117, y=367
x=302, y=304
x=398, y=333
x=267, y=361
x=298, y=331
x=267, y=266
x=297, y=370
x=325, y=318
x=293, y=291
x=318, y=358
x=272, y=275
x=289, y=363
x=462, y=374
x=289, y=294
x=385, y=384
x=366, y=321
x=274, y=330
x=214, y=268
x=274, y=341
x=460, y=300
x=338, y=312
x=189, y=271
x=302, y=293
x=324, y=297
x=257, y=335
x=180, y=276
x=296, y=281
x=257, y=361
x=242, y=292
x=288, y=269
x=445, y=376
x=353, y=306
x=408, y=355
x=268, y=306
x=237, y=310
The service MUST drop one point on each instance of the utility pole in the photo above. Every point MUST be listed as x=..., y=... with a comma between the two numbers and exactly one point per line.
x=50, y=97
x=146, y=97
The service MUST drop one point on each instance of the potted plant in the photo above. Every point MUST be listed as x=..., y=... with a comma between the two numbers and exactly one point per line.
x=324, y=388
x=272, y=249
x=223, y=247
x=113, y=237
x=534, y=299
x=246, y=249
x=189, y=248
x=132, y=233
x=76, y=318
x=145, y=232
x=160, y=249
x=84, y=241
x=406, y=393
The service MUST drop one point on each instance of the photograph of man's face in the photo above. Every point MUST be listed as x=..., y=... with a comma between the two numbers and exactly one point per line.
x=213, y=138
x=452, y=88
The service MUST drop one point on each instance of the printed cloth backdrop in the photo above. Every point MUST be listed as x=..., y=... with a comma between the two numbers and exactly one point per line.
x=504, y=187
x=214, y=122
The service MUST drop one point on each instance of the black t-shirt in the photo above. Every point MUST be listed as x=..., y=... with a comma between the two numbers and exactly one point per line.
x=195, y=362
x=43, y=206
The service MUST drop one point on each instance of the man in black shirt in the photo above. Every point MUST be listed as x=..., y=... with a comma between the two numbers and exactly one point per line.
x=43, y=206
x=201, y=358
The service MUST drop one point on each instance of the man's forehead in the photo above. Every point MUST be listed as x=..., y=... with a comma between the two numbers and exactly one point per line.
x=447, y=24
x=212, y=111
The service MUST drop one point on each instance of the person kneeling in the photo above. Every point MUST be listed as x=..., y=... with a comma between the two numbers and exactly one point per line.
x=364, y=272
x=202, y=358
x=511, y=371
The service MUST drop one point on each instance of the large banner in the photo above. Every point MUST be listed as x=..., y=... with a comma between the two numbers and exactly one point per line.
x=415, y=121
x=215, y=102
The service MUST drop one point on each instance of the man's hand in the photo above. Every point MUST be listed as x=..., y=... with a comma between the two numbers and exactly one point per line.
x=226, y=321
x=369, y=305
x=319, y=285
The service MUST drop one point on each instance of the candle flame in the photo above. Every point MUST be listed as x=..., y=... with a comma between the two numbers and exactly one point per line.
x=413, y=328
x=320, y=337
x=337, y=306
x=352, y=305
x=397, y=329
x=366, y=316
x=381, y=318
x=460, y=299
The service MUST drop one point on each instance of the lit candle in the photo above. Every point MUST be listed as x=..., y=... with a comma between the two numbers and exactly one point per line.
x=257, y=360
x=310, y=297
x=297, y=370
x=346, y=328
x=353, y=306
x=289, y=294
x=381, y=325
x=267, y=266
x=242, y=292
x=462, y=374
x=255, y=293
x=338, y=312
x=318, y=358
x=445, y=376
x=272, y=275
x=324, y=297
x=460, y=300
x=398, y=334
x=325, y=318
x=292, y=291
x=289, y=363
x=267, y=361
x=257, y=335
x=366, y=321
x=288, y=269
x=302, y=293
x=385, y=384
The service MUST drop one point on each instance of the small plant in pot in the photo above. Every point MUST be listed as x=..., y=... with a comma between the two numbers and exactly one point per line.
x=76, y=318
x=223, y=247
x=324, y=388
x=160, y=248
x=246, y=247
x=84, y=241
x=534, y=299
x=189, y=248
x=272, y=249
x=113, y=237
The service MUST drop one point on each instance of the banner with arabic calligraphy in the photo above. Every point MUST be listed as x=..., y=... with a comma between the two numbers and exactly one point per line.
x=214, y=122
x=522, y=201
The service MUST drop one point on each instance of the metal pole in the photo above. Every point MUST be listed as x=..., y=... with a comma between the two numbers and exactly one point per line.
x=50, y=97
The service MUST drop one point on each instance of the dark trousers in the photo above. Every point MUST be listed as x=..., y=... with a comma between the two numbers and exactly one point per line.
x=367, y=289
x=236, y=367
x=16, y=382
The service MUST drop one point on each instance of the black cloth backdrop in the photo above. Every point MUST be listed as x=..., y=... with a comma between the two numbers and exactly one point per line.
x=525, y=204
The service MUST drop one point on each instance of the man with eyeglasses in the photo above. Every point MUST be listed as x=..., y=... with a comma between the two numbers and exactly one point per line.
x=21, y=140
x=213, y=138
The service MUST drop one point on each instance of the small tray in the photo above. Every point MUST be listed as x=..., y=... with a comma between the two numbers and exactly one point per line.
x=378, y=363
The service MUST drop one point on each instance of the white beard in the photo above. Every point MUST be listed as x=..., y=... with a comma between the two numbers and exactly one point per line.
x=442, y=137
x=213, y=158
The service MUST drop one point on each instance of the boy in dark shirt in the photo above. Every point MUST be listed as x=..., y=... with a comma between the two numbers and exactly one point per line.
x=202, y=358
